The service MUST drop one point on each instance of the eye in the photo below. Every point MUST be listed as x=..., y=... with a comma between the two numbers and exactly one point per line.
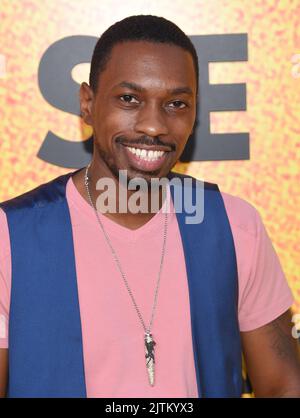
x=128, y=98
x=178, y=104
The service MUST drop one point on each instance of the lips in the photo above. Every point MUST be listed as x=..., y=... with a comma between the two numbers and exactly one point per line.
x=147, y=158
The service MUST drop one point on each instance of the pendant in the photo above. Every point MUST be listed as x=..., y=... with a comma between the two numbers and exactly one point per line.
x=149, y=349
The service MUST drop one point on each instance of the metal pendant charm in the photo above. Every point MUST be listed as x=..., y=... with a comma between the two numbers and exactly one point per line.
x=149, y=349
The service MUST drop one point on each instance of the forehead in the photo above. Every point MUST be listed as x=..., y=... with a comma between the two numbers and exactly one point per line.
x=149, y=65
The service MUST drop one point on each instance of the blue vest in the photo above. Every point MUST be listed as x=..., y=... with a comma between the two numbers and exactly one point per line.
x=45, y=336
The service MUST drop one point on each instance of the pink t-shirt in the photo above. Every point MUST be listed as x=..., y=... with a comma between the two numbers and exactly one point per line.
x=113, y=346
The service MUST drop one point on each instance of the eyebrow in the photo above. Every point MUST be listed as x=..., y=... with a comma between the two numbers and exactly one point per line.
x=140, y=89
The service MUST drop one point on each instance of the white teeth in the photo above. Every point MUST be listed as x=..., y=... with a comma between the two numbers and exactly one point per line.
x=146, y=155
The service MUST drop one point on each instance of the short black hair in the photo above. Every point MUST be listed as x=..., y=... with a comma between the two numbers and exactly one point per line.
x=138, y=28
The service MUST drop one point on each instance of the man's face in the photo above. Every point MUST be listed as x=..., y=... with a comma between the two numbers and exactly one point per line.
x=144, y=110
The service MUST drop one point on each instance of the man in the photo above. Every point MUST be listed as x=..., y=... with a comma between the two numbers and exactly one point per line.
x=127, y=304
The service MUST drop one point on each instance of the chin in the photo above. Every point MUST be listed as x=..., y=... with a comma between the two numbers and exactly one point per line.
x=147, y=176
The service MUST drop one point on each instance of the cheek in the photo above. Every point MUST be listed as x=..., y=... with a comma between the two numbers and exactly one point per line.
x=182, y=129
x=114, y=122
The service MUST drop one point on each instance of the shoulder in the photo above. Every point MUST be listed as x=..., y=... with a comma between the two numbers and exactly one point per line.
x=39, y=196
x=242, y=214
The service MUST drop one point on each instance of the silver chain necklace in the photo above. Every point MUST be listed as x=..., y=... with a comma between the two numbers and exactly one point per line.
x=148, y=339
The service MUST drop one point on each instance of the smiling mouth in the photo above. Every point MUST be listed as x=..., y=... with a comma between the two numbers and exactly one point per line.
x=146, y=158
x=146, y=154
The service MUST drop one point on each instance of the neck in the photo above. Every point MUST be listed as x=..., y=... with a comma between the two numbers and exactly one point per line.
x=121, y=198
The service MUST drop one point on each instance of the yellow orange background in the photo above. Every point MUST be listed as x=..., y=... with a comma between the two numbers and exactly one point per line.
x=270, y=180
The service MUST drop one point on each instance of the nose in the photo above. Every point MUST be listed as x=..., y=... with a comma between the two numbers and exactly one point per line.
x=151, y=121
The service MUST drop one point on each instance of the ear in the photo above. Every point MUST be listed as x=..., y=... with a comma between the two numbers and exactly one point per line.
x=86, y=96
